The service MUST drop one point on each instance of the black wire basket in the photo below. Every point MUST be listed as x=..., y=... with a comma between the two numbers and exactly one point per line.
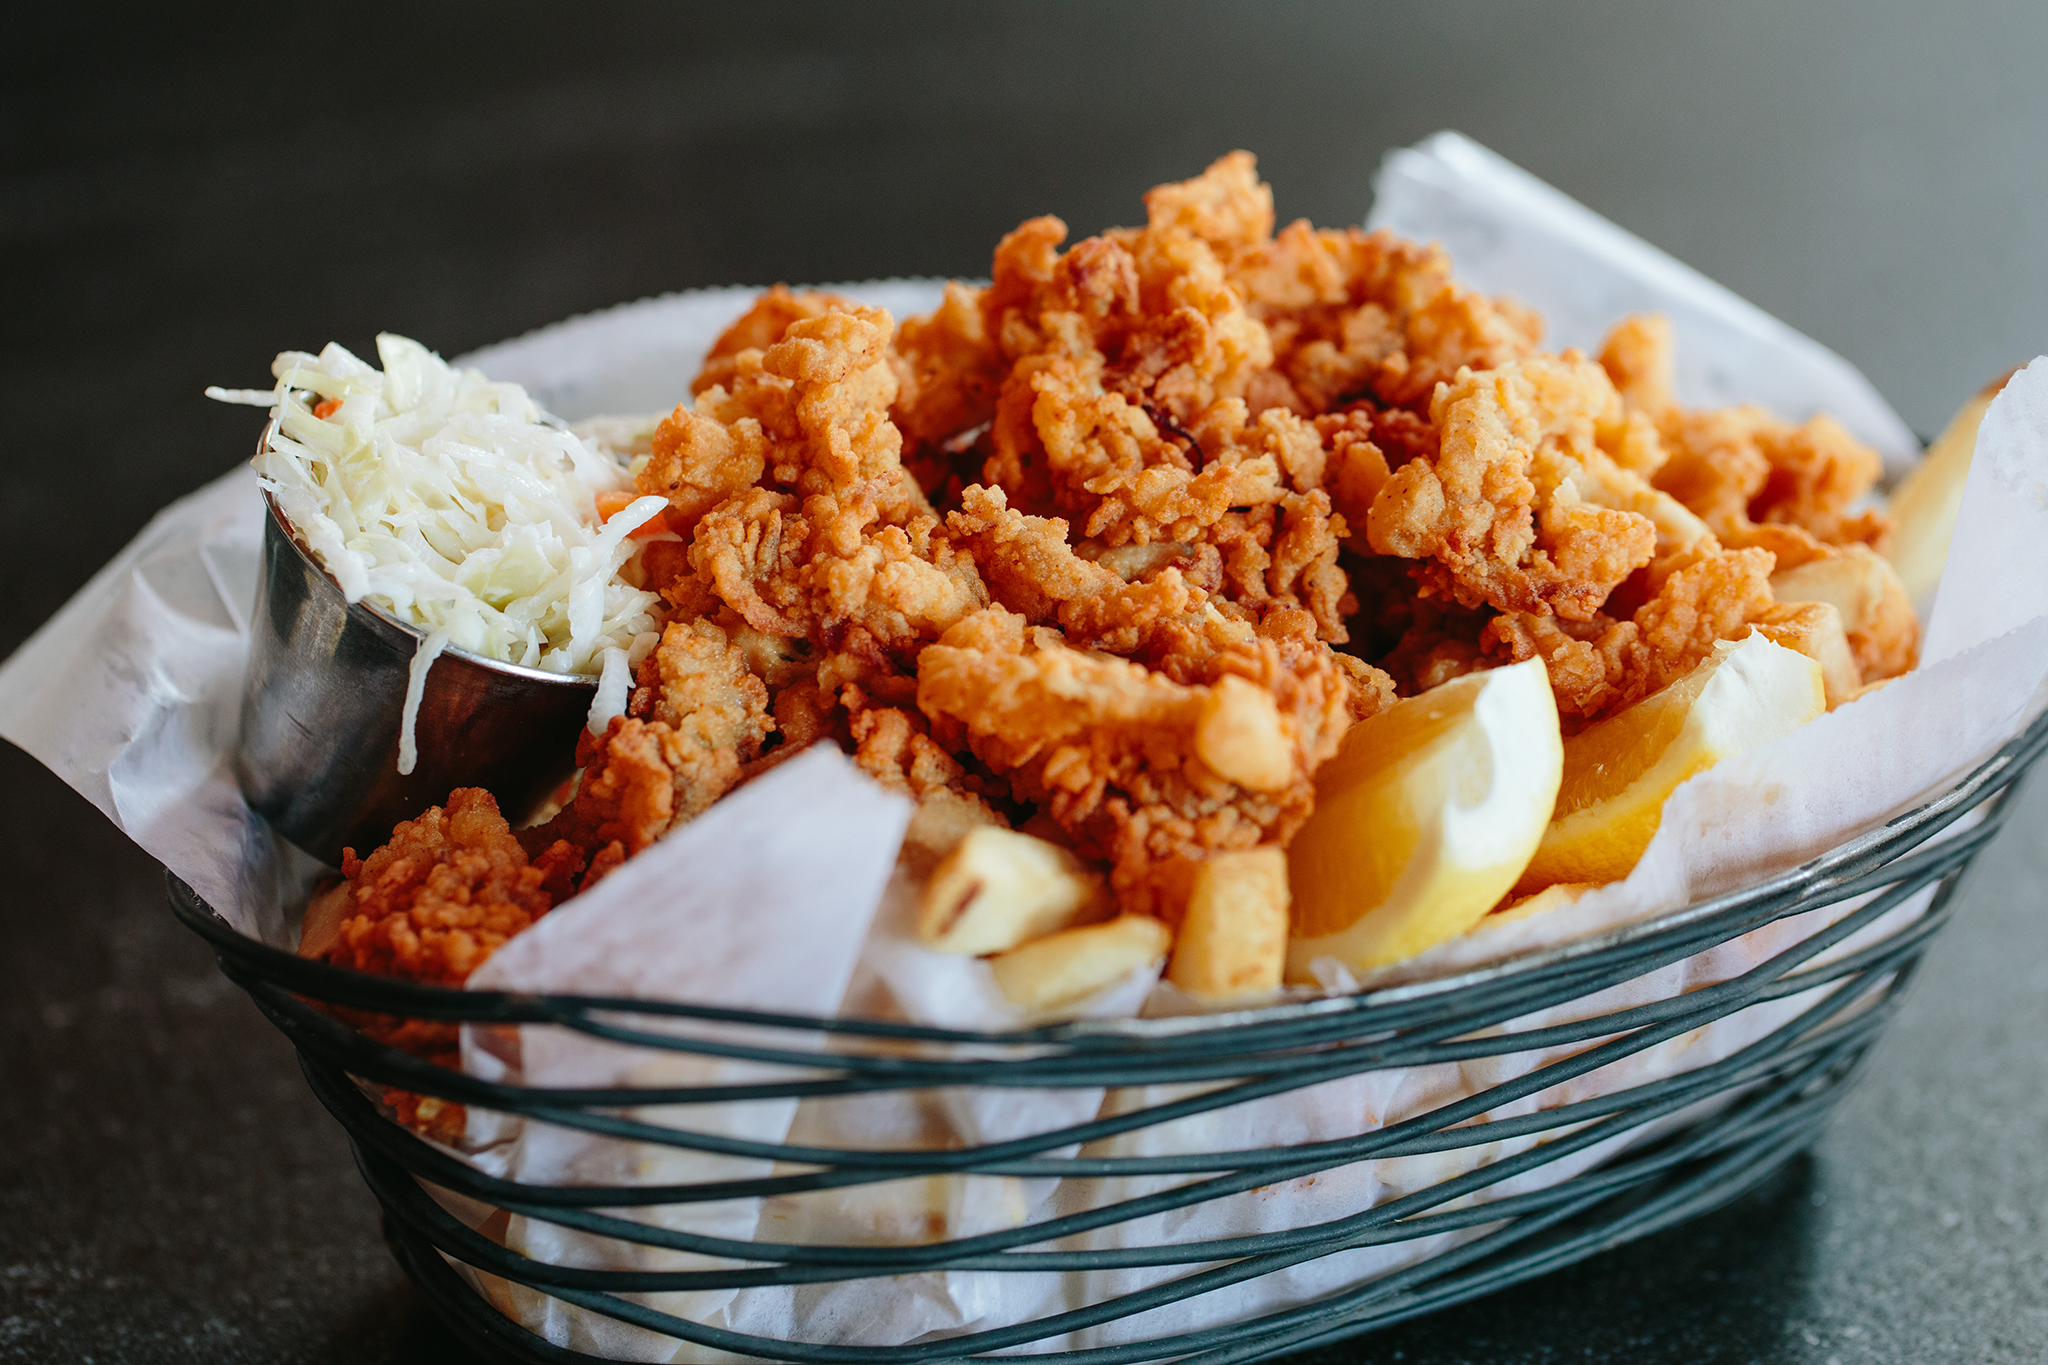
x=1679, y=1144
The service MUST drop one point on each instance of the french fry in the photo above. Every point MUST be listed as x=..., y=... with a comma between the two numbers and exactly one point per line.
x=1815, y=630
x=942, y=820
x=1074, y=964
x=1241, y=737
x=998, y=889
x=1233, y=940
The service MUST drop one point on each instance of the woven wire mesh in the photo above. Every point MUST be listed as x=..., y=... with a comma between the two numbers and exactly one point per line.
x=1736, y=1119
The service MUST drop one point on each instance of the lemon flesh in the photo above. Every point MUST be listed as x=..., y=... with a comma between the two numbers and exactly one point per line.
x=1617, y=772
x=1424, y=819
x=1925, y=504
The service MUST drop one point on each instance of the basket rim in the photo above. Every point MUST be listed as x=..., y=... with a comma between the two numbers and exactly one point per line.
x=1835, y=871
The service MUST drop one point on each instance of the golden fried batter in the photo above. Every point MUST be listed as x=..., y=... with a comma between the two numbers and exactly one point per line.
x=1226, y=206
x=833, y=542
x=698, y=717
x=1353, y=314
x=760, y=327
x=446, y=891
x=1114, y=347
x=1743, y=467
x=431, y=905
x=949, y=370
x=1506, y=509
x=1601, y=665
x=894, y=746
x=1136, y=767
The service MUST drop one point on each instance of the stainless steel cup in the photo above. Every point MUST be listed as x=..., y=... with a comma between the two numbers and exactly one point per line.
x=325, y=693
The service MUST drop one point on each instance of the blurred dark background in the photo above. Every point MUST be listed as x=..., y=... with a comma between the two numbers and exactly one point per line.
x=184, y=193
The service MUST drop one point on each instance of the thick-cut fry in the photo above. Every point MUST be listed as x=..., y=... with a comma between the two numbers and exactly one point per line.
x=1068, y=967
x=1000, y=888
x=1233, y=940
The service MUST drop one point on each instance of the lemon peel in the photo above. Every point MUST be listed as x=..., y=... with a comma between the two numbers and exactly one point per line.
x=1424, y=819
x=1619, y=771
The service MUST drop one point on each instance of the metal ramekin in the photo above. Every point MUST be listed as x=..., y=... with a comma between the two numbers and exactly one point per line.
x=325, y=695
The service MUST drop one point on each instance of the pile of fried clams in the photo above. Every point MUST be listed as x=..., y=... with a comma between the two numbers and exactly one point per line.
x=1114, y=549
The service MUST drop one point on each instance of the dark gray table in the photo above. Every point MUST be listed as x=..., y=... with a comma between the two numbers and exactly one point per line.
x=180, y=198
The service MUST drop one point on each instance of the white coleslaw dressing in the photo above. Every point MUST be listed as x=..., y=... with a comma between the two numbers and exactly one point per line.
x=458, y=506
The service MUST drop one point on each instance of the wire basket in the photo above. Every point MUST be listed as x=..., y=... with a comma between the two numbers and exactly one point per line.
x=1708, y=1133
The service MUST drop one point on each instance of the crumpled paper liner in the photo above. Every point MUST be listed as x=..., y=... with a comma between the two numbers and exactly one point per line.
x=655, y=935
x=131, y=695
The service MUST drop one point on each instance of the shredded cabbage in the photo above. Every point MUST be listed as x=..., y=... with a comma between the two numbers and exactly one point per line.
x=459, y=507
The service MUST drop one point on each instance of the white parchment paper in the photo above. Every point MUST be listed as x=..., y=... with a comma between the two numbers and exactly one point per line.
x=781, y=897
x=805, y=888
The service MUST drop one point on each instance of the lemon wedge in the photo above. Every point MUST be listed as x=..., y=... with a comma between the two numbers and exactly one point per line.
x=1925, y=504
x=1554, y=897
x=1424, y=819
x=1618, y=771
